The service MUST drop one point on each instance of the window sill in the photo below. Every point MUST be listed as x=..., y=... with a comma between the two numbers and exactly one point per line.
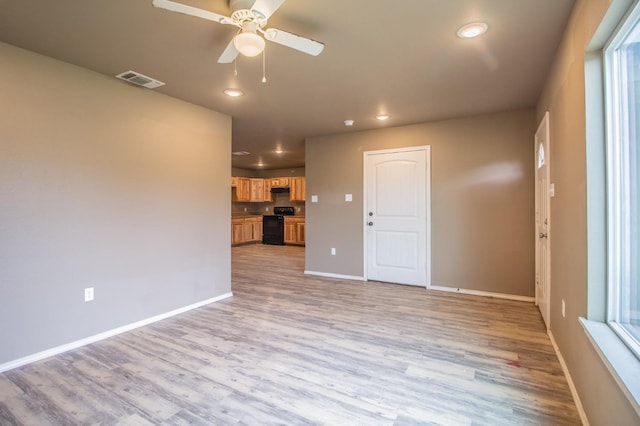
x=620, y=361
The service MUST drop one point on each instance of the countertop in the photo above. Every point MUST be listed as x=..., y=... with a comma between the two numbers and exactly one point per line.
x=245, y=215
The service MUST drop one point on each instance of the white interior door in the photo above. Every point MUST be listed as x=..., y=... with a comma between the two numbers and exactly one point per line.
x=543, y=254
x=397, y=216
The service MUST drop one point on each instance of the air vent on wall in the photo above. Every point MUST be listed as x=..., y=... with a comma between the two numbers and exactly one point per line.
x=140, y=79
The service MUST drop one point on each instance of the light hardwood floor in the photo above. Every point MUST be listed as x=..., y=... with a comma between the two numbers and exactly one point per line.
x=293, y=349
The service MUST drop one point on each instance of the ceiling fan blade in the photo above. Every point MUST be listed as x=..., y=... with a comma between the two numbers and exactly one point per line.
x=192, y=11
x=229, y=55
x=303, y=44
x=266, y=7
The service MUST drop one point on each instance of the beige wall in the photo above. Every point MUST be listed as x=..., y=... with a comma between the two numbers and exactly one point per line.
x=564, y=98
x=482, y=200
x=109, y=186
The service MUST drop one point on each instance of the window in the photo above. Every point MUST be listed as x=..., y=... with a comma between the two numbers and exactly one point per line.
x=540, y=156
x=622, y=74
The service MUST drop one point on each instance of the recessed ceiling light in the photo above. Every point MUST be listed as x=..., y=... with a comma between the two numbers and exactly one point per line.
x=348, y=123
x=473, y=29
x=279, y=151
x=234, y=93
x=382, y=117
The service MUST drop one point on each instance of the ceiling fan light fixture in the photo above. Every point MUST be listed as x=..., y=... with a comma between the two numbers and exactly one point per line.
x=472, y=30
x=249, y=43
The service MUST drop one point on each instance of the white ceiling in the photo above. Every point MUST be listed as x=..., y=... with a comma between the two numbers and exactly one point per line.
x=401, y=57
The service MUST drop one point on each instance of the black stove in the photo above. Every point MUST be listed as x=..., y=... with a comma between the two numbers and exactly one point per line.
x=273, y=225
x=284, y=211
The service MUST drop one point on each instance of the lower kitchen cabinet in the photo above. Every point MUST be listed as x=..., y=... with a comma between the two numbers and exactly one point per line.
x=237, y=231
x=294, y=230
x=246, y=229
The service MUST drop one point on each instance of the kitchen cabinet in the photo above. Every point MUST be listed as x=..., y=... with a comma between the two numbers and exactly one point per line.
x=294, y=230
x=243, y=189
x=252, y=229
x=257, y=190
x=267, y=190
x=246, y=229
x=297, y=189
x=282, y=182
x=300, y=233
x=237, y=231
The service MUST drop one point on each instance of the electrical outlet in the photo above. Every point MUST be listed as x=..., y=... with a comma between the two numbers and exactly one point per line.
x=333, y=251
x=563, y=312
x=88, y=294
x=245, y=209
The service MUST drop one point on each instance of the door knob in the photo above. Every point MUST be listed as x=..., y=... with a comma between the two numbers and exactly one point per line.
x=541, y=235
x=370, y=223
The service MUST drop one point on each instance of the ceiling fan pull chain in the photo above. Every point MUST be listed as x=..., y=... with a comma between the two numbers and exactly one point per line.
x=264, y=73
x=235, y=67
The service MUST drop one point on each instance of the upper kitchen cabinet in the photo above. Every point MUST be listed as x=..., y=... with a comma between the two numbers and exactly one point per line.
x=243, y=189
x=281, y=182
x=257, y=190
x=267, y=190
x=297, y=189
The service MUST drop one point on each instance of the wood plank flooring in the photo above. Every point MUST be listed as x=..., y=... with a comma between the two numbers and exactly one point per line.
x=296, y=350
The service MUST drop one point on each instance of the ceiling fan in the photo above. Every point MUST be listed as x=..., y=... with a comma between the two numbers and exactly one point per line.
x=251, y=17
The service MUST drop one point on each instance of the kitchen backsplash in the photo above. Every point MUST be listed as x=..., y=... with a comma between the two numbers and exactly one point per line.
x=280, y=200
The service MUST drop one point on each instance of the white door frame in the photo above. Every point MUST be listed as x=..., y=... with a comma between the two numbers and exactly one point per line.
x=427, y=150
x=545, y=308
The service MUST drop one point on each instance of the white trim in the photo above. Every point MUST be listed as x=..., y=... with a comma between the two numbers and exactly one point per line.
x=617, y=357
x=545, y=128
x=572, y=387
x=330, y=275
x=101, y=336
x=483, y=293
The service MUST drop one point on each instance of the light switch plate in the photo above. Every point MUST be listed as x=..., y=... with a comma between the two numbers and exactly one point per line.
x=314, y=198
x=552, y=190
x=348, y=197
x=88, y=294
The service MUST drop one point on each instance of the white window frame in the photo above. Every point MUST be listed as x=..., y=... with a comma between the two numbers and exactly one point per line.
x=618, y=188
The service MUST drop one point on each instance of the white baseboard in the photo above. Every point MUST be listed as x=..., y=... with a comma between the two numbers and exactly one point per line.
x=483, y=293
x=572, y=387
x=339, y=276
x=101, y=336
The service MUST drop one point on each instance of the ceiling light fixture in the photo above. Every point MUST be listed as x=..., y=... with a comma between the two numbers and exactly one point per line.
x=234, y=93
x=382, y=117
x=473, y=29
x=248, y=42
